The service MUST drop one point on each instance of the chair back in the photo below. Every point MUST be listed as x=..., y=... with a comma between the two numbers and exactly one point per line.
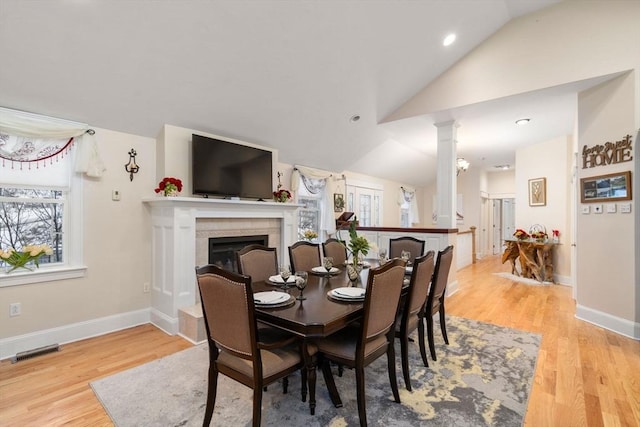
x=335, y=249
x=382, y=298
x=228, y=309
x=304, y=256
x=257, y=261
x=439, y=281
x=406, y=243
x=419, y=285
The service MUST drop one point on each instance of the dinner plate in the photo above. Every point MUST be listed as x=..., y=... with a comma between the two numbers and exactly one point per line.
x=365, y=264
x=270, y=298
x=336, y=296
x=408, y=270
x=278, y=279
x=322, y=270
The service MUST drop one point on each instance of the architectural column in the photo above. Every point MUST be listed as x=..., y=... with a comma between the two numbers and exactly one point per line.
x=446, y=187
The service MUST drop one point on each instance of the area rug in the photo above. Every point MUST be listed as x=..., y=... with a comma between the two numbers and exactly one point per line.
x=521, y=279
x=483, y=378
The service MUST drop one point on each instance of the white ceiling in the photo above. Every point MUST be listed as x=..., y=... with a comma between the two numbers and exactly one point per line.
x=285, y=74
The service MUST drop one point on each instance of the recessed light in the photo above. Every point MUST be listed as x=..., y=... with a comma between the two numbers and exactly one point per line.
x=449, y=39
x=354, y=118
x=522, y=121
x=502, y=167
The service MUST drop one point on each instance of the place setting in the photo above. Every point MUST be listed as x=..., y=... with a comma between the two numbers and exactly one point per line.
x=327, y=268
x=272, y=299
x=347, y=294
x=284, y=279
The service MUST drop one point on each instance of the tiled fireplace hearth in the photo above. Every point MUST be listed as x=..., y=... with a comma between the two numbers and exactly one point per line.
x=181, y=229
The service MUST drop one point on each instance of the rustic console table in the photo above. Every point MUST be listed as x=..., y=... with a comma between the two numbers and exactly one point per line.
x=536, y=258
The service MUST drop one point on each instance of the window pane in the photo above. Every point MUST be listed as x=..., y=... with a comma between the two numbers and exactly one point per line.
x=30, y=217
x=364, y=211
x=309, y=215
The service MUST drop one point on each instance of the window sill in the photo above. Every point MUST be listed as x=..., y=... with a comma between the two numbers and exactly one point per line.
x=41, y=275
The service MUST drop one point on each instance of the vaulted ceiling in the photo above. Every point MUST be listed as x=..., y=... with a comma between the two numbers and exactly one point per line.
x=284, y=74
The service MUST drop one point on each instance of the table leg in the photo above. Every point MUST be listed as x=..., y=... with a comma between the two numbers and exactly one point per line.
x=331, y=385
x=310, y=360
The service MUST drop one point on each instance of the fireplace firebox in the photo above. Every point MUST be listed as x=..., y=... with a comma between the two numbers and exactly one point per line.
x=222, y=250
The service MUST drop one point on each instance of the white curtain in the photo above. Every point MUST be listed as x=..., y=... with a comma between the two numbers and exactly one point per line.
x=27, y=137
x=408, y=195
x=317, y=182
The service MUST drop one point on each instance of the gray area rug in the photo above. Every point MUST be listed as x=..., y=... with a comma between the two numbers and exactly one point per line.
x=521, y=279
x=483, y=378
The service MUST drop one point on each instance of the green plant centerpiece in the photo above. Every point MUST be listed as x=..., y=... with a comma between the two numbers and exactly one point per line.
x=21, y=258
x=357, y=244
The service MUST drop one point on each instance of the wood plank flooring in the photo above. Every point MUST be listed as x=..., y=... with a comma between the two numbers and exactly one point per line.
x=585, y=375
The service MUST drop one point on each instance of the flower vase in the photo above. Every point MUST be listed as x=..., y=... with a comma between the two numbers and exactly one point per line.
x=8, y=268
x=172, y=193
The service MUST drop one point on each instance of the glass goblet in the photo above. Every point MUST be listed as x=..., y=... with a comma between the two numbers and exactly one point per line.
x=405, y=255
x=302, y=278
x=327, y=263
x=285, y=273
x=382, y=256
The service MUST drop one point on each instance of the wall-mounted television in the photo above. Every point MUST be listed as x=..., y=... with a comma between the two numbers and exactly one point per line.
x=224, y=168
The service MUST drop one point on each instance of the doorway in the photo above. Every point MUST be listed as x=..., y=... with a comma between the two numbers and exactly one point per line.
x=503, y=224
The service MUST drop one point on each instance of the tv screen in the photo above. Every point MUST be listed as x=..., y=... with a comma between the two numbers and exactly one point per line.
x=224, y=168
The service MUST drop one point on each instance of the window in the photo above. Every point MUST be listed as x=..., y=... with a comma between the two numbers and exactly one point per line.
x=309, y=215
x=404, y=214
x=366, y=203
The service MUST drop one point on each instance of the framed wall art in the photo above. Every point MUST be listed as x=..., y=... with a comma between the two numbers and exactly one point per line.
x=338, y=202
x=607, y=188
x=538, y=192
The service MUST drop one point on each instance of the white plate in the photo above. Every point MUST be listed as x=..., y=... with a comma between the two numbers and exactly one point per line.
x=365, y=264
x=278, y=279
x=408, y=270
x=353, y=293
x=270, y=297
x=324, y=270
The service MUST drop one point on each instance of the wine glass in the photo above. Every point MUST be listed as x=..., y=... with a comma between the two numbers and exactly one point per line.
x=382, y=256
x=327, y=263
x=405, y=255
x=285, y=273
x=301, y=282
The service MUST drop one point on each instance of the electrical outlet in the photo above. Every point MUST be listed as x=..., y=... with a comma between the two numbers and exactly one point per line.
x=15, y=309
x=585, y=210
x=146, y=287
x=597, y=209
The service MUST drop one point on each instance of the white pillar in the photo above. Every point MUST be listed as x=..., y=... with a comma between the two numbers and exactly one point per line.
x=446, y=175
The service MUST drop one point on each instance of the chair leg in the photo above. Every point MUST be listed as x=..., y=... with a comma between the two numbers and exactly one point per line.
x=432, y=346
x=404, y=352
x=362, y=404
x=285, y=385
x=257, y=406
x=443, y=325
x=391, y=367
x=211, y=396
x=423, y=350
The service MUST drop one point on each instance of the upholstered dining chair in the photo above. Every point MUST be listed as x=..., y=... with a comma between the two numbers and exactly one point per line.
x=235, y=346
x=358, y=346
x=304, y=256
x=406, y=243
x=335, y=249
x=435, y=300
x=411, y=316
x=257, y=261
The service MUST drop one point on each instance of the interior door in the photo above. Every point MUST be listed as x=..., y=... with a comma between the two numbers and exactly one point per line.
x=497, y=226
x=508, y=218
x=483, y=235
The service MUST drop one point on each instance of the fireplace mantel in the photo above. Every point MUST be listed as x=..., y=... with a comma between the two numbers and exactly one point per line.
x=173, y=241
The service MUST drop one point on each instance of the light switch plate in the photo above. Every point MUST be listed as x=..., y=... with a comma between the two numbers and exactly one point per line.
x=597, y=208
x=585, y=210
x=611, y=208
x=625, y=207
x=115, y=195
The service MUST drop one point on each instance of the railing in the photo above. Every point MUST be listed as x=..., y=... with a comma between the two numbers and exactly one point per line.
x=466, y=243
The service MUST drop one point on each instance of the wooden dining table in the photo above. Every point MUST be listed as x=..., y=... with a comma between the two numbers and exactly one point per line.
x=317, y=316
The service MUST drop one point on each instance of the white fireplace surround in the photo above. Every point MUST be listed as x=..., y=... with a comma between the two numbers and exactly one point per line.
x=181, y=224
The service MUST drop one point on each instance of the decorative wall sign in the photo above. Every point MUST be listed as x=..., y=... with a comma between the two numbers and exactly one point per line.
x=609, y=188
x=607, y=153
x=538, y=192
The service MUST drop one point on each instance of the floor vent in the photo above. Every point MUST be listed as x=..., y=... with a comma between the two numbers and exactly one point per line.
x=35, y=352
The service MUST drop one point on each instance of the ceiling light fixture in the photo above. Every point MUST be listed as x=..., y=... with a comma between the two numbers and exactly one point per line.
x=449, y=39
x=354, y=118
x=522, y=121
x=461, y=165
x=502, y=167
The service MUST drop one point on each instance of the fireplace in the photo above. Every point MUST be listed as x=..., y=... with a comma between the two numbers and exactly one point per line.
x=222, y=250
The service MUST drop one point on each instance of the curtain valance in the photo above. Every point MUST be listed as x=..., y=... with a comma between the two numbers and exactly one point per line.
x=408, y=195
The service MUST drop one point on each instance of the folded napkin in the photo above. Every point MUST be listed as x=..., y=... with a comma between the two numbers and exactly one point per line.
x=270, y=297
x=349, y=292
x=324, y=270
x=278, y=279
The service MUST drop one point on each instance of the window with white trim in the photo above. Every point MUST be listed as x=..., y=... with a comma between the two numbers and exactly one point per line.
x=309, y=214
x=366, y=203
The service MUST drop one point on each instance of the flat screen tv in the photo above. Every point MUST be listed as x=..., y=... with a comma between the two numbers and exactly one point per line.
x=224, y=168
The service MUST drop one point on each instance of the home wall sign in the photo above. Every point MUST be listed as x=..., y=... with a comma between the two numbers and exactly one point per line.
x=607, y=153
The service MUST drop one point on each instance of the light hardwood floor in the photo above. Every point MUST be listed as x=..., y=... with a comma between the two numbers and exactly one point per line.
x=585, y=375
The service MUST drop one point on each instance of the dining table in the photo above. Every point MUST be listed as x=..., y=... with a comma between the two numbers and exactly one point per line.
x=317, y=316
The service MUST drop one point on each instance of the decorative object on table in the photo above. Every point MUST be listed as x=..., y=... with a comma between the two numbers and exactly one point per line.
x=327, y=263
x=302, y=277
x=169, y=187
x=538, y=192
x=132, y=167
x=24, y=258
x=309, y=235
x=609, y=188
x=285, y=273
x=358, y=245
x=555, y=236
x=538, y=232
x=281, y=195
x=520, y=234
x=382, y=256
x=405, y=256
x=338, y=202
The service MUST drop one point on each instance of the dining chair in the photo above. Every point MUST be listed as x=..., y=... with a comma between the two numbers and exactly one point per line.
x=406, y=243
x=257, y=261
x=304, y=256
x=358, y=346
x=336, y=249
x=235, y=346
x=435, y=300
x=411, y=316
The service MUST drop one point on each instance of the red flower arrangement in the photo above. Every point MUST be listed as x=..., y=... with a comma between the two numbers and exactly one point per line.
x=281, y=195
x=520, y=234
x=169, y=186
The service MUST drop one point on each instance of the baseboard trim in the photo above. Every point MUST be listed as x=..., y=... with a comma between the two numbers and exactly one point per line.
x=615, y=324
x=11, y=346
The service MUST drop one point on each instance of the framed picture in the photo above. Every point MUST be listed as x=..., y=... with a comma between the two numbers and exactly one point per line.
x=538, y=192
x=608, y=188
x=338, y=202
